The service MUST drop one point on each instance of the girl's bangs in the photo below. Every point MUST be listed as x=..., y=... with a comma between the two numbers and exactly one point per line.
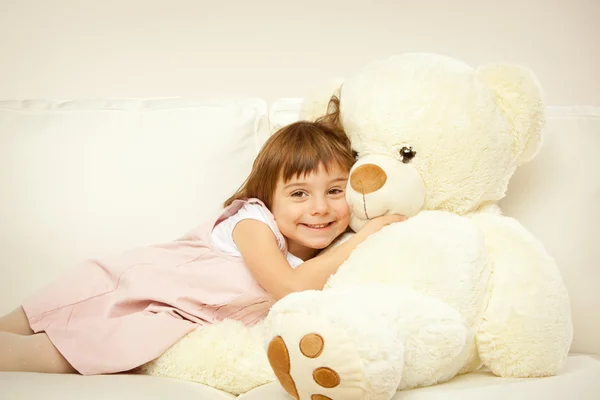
x=306, y=160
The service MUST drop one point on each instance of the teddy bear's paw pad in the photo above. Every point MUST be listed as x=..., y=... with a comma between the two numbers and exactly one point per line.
x=326, y=377
x=308, y=368
x=279, y=358
x=311, y=345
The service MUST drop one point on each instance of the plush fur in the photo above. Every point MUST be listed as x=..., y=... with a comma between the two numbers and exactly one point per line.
x=228, y=356
x=456, y=287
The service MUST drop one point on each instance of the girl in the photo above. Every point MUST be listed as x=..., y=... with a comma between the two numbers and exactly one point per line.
x=116, y=314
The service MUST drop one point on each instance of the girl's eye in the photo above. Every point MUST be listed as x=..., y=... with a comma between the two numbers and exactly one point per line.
x=335, y=191
x=298, y=194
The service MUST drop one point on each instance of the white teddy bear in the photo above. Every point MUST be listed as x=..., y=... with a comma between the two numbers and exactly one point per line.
x=455, y=287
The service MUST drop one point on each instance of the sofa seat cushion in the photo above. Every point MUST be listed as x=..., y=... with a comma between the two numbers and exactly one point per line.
x=21, y=386
x=580, y=379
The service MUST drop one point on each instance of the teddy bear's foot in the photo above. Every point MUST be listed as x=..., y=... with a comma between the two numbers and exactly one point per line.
x=337, y=344
x=316, y=364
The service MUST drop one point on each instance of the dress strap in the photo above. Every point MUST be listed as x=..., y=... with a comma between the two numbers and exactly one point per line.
x=235, y=206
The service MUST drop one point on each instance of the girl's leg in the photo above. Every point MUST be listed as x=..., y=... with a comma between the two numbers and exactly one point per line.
x=16, y=322
x=33, y=353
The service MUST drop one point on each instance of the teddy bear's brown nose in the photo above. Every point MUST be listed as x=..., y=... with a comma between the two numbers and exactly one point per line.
x=367, y=178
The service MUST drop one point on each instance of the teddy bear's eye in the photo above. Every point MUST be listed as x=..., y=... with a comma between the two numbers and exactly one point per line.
x=407, y=154
x=355, y=154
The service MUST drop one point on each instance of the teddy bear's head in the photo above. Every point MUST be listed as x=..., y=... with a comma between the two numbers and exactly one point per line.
x=432, y=133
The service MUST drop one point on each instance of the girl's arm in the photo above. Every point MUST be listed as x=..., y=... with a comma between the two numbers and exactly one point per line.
x=258, y=246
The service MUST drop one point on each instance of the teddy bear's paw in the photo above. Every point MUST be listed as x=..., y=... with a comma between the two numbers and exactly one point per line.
x=316, y=365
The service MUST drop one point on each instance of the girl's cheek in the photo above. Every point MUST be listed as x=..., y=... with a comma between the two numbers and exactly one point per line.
x=344, y=209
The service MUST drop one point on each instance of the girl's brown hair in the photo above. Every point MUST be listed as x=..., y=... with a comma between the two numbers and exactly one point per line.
x=294, y=150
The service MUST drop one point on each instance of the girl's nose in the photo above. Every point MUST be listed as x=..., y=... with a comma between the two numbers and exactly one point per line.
x=319, y=205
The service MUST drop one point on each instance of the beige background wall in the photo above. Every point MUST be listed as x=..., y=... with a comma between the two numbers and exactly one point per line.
x=65, y=49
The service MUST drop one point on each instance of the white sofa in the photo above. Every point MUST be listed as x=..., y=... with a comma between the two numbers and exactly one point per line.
x=89, y=178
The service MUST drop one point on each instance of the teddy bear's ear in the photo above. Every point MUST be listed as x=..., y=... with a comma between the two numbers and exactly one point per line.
x=519, y=96
x=317, y=102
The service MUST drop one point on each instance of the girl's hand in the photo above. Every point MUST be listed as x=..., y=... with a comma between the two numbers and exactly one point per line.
x=375, y=224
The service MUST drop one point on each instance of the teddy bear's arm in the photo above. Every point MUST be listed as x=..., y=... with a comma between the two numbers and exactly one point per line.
x=526, y=329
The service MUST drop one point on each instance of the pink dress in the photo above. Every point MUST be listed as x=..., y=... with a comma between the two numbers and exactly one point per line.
x=116, y=314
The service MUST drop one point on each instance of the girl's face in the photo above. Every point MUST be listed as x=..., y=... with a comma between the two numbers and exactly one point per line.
x=311, y=211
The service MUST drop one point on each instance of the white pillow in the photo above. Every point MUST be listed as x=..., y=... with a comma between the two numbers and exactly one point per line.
x=85, y=179
x=283, y=112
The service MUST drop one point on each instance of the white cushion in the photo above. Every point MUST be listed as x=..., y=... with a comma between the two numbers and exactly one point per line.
x=578, y=380
x=30, y=386
x=557, y=197
x=283, y=111
x=84, y=179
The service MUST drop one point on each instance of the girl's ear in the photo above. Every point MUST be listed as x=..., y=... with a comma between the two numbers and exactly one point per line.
x=317, y=103
x=519, y=96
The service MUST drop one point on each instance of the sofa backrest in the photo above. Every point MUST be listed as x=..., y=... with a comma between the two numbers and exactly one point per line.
x=557, y=197
x=90, y=178
x=82, y=179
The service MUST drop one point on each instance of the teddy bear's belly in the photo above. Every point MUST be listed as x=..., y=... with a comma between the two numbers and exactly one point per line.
x=437, y=253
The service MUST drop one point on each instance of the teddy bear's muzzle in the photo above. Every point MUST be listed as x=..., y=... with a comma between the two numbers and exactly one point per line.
x=381, y=185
